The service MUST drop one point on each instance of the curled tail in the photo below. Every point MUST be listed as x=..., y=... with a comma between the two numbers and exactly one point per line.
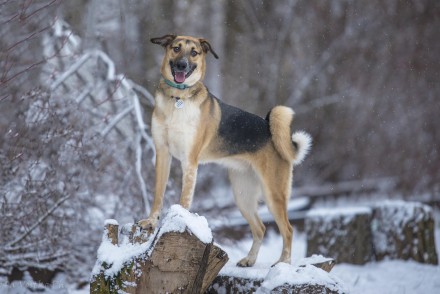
x=292, y=147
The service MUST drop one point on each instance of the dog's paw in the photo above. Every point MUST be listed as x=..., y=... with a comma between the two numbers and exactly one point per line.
x=246, y=262
x=148, y=224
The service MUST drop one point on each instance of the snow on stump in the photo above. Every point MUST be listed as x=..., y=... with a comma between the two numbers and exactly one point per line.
x=179, y=257
x=404, y=230
x=343, y=234
x=305, y=276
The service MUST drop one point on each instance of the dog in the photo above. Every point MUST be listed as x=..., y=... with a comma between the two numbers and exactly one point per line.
x=192, y=125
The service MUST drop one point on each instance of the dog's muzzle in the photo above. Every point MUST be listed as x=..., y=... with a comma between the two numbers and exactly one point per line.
x=182, y=69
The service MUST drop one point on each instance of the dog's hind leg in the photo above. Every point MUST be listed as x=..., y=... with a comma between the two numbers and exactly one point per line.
x=247, y=190
x=277, y=179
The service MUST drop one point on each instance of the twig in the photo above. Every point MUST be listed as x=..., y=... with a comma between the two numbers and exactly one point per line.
x=39, y=221
x=70, y=71
x=143, y=91
x=117, y=119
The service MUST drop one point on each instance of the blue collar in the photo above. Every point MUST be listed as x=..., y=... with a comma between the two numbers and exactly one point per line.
x=177, y=86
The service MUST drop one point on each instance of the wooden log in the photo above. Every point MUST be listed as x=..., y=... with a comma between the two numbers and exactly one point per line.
x=404, y=230
x=282, y=278
x=174, y=260
x=225, y=283
x=342, y=234
x=180, y=263
x=304, y=289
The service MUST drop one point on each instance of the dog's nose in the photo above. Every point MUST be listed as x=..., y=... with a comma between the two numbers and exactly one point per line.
x=182, y=64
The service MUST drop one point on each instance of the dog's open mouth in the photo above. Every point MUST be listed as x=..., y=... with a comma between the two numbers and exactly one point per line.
x=181, y=76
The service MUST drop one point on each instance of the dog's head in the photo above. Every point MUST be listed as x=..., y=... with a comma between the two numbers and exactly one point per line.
x=184, y=60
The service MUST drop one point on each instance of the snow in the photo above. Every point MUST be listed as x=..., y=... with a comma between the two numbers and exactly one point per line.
x=393, y=276
x=117, y=256
x=298, y=273
x=385, y=277
x=178, y=219
x=111, y=222
x=257, y=272
x=59, y=285
x=403, y=211
x=284, y=273
x=314, y=259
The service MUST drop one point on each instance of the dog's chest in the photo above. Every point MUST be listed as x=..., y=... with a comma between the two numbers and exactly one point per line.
x=180, y=126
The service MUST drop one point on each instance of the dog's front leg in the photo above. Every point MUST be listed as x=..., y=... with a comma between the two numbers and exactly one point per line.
x=188, y=183
x=163, y=162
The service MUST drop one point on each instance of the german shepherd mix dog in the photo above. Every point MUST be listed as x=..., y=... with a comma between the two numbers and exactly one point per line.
x=195, y=127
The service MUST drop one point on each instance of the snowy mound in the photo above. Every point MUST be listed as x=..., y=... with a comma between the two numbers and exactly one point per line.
x=178, y=219
x=314, y=259
x=286, y=274
x=301, y=277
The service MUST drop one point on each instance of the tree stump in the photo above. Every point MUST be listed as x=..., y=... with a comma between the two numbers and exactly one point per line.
x=404, y=230
x=305, y=277
x=179, y=257
x=111, y=230
x=342, y=234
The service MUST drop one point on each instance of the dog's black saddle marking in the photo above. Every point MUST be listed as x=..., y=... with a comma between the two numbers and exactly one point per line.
x=242, y=131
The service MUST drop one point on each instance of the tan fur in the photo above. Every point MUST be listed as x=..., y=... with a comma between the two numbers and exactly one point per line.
x=281, y=118
x=190, y=135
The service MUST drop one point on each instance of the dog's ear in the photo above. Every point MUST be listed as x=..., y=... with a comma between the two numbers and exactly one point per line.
x=163, y=41
x=207, y=47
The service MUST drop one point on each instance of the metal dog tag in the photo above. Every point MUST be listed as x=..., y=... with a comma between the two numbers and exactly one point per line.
x=179, y=104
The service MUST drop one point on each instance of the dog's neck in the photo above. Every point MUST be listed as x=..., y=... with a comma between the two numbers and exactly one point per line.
x=177, y=86
x=184, y=93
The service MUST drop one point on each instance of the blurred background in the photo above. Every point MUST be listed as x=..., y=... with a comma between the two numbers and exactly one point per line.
x=76, y=79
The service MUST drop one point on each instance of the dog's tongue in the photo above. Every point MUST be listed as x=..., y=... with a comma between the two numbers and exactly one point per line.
x=179, y=77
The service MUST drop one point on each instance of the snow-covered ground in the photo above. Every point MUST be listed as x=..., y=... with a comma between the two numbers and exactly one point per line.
x=385, y=277
x=390, y=276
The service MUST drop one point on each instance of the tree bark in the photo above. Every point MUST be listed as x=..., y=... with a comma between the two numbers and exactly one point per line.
x=344, y=235
x=404, y=230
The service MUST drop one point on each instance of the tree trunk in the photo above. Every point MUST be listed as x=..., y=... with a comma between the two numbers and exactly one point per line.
x=404, y=230
x=342, y=234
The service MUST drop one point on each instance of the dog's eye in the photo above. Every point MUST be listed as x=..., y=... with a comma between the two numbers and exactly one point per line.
x=176, y=49
x=194, y=53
